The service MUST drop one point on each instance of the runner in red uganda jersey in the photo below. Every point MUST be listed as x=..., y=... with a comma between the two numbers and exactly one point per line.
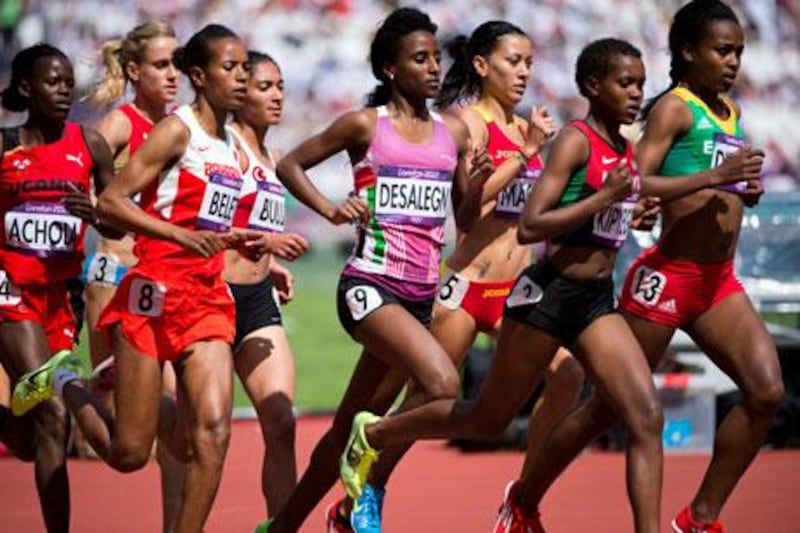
x=45, y=176
x=174, y=305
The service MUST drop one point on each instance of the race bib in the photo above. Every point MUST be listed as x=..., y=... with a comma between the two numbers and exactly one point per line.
x=525, y=292
x=146, y=297
x=611, y=225
x=269, y=208
x=452, y=290
x=103, y=269
x=362, y=300
x=10, y=294
x=42, y=229
x=511, y=200
x=724, y=147
x=220, y=198
x=647, y=286
x=412, y=195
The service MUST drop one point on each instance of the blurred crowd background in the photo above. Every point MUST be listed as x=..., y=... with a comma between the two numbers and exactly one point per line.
x=322, y=46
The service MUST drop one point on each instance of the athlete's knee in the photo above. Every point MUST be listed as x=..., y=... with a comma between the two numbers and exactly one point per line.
x=567, y=378
x=443, y=386
x=211, y=438
x=129, y=456
x=646, y=421
x=277, y=426
x=766, y=398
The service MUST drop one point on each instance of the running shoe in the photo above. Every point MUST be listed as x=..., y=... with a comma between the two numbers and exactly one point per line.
x=358, y=457
x=367, y=509
x=335, y=521
x=37, y=386
x=263, y=527
x=684, y=523
x=511, y=518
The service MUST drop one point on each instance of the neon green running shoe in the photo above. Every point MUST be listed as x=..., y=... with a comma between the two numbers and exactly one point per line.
x=263, y=527
x=358, y=456
x=37, y=386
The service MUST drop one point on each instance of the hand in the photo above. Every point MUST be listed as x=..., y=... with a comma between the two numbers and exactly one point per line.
x=645, y=213
x=202, y=242
x=481, y=167
x=283, y=281
x=254, y=244
x=352, y=210
x=619, y=183
x=541, y=127
x=744, y=164
x=80, y=204
x=753, y=193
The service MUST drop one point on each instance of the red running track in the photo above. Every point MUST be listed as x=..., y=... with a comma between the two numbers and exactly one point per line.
x=436, y=489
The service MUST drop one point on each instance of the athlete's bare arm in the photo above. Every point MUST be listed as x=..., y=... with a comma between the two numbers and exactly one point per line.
x=116, y=129
x=351, y=132
x=668, y=120
x=102, y=174
x=541, y=219
x=470, y=175
x=164, y=146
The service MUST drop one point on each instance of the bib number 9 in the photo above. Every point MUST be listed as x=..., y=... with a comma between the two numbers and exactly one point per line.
x=362, y=300
x=146, y=297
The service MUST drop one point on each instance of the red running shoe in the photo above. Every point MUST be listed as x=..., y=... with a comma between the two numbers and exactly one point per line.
x=511, y=519
x=335, y=522
x=684, y=523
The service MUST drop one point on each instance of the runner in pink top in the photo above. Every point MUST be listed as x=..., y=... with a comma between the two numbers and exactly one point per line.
x=408, y=163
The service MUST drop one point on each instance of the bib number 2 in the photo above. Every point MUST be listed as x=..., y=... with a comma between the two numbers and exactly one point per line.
x=146, y=297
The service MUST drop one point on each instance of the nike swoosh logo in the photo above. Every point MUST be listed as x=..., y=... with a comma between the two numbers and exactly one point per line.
x=609, y=160
x=31, y=377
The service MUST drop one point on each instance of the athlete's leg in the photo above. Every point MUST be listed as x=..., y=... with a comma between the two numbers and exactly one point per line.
x=24, y=347
x=617, y=366
x=455, y=330
x=735, y=338
x=205, y=380
x=520, y=361
x=173, y=470
x=588, y=421
x=265, y=365
x=97, y=297
x=562, y=386
x=401, y=342
x=125, y=443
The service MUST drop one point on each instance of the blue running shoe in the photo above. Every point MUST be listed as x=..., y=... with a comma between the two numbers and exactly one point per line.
x=367, y=510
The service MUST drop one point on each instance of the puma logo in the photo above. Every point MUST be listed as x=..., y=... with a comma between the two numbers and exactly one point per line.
x=78, y=159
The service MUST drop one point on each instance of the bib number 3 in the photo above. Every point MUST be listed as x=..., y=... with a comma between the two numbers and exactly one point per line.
x=146, y=297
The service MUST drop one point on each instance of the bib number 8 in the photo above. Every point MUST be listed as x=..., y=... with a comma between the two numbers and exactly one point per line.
x=146, y=297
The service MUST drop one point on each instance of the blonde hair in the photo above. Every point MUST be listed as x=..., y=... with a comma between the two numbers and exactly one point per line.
x=117, y=53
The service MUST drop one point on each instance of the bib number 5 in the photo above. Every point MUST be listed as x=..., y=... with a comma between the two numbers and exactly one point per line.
x=146, y=297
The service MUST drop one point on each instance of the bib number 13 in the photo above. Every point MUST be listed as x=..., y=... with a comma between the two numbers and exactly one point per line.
x=648, y=285
x=146, y=297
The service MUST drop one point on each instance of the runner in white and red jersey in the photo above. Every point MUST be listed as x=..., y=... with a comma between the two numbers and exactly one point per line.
x=174, y=305
x=46, y=171
x=408, y=164
x=262, y=356
x=143, y=59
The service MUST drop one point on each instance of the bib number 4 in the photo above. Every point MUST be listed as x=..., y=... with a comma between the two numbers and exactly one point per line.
x=10, y=294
